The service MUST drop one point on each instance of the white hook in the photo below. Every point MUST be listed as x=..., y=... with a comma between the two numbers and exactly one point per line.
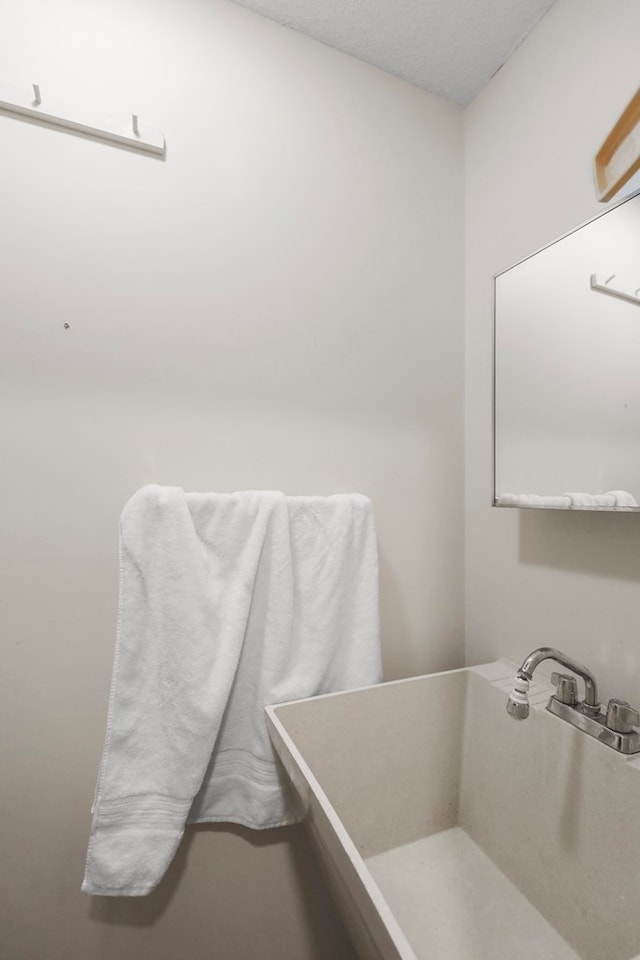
x=134, y=123
x=37, y=99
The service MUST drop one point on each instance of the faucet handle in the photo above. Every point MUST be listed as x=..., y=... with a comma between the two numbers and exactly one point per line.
x=621, y=717
x=566, y=688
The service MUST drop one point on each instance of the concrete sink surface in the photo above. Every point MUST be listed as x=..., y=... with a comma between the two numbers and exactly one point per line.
x=449, y=831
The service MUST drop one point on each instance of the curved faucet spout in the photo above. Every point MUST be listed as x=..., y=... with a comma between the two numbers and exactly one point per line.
x=518, y=702
x=534, y=659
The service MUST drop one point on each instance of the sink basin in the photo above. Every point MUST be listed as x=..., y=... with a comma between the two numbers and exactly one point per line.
x=449, y=831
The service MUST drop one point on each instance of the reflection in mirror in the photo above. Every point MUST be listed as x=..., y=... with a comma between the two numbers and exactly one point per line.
x=567, y=370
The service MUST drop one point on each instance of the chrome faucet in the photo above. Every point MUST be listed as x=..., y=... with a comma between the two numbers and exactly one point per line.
x=518, y=707
x=615, y=727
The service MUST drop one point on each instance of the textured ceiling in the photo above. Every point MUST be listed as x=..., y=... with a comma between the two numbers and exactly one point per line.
x=449, y=47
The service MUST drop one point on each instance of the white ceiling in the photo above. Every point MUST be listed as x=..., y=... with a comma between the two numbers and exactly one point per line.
x=449, y=47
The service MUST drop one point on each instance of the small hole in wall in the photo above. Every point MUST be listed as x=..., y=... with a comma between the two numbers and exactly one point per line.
x=67, y=326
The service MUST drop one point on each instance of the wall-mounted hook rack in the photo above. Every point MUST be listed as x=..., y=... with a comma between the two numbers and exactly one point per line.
x=43, y=109
x=603, y=285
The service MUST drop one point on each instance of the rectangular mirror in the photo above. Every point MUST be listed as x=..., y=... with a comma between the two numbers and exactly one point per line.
x=567, y=370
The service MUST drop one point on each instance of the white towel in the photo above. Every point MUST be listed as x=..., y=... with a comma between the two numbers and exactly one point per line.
x=228, y=602
x=592, y=499
x=623, y=498
x=613, y=498
x=533, y=500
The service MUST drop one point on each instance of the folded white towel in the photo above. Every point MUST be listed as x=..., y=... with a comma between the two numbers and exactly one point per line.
x=592, y=499
x=613, y=498
x=532, y=500
x=228, y=602
x=623, y=498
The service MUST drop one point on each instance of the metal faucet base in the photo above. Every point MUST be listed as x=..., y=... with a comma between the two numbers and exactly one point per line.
x=626, y=743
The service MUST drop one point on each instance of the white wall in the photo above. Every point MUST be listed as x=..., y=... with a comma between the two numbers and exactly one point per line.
x=277, y=305
x=532, y=577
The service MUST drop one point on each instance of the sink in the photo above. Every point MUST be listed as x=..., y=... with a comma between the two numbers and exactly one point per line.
x=448, y=831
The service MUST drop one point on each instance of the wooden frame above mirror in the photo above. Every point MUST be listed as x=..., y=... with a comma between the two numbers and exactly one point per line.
x=618, y=159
